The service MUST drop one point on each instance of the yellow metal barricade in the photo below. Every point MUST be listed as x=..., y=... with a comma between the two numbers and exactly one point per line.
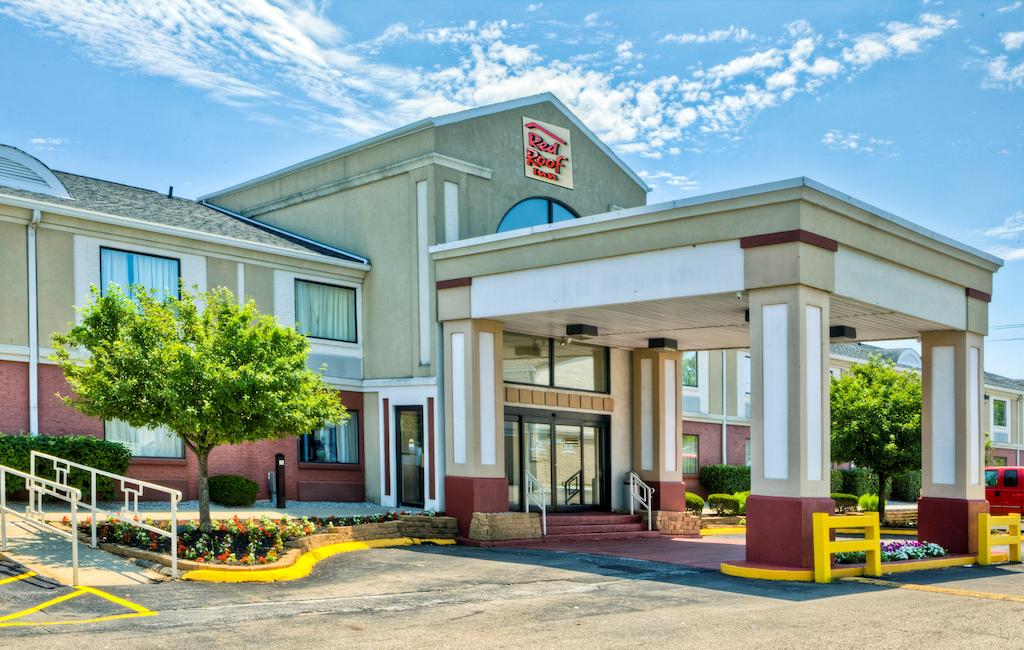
x=987, y=539
x=824, y=546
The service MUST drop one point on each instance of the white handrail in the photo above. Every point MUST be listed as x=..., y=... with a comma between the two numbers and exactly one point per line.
x=640, y=493
x=38, y=488
x=537, y=493
x=129, y=486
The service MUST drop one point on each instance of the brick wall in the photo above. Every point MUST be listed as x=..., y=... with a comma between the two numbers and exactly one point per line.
x=13, y=397
x=710, y=447
x=252, y=460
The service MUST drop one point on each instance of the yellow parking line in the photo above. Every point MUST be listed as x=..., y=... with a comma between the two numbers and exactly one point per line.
x=137, y=610
x=135, y=607
x=938, y=590
x=27, y=574
x=40, y=606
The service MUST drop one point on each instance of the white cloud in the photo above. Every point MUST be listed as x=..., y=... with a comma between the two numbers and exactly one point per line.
x=731, y=33
x=1012, y=40
x=899, y=39
x=1013, y=6
x=47, y=144
x=858, y=143
x=1011, y=228
x=685, y=183
x=286, y=56
x=534, y=6
x=1001, y=73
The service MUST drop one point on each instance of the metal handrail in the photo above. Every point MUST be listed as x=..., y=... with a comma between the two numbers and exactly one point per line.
x=38, y=488
x=130, y=488
x=537, y=493
x=640, y=493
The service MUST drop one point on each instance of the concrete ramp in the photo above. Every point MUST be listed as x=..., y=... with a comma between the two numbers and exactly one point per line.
x=49, y=555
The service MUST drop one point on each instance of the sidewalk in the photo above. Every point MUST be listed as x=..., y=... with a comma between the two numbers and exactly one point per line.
x=49, y=555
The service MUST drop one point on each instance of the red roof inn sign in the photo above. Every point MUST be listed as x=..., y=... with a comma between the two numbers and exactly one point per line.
x=547, y=153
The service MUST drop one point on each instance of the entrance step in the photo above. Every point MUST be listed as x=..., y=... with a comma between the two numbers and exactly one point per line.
x=590, y=526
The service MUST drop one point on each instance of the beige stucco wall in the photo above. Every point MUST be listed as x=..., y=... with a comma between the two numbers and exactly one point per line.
x=496, y=142
x=259, y=286
x=14, y=288
x=222, y=273
x=56, y=277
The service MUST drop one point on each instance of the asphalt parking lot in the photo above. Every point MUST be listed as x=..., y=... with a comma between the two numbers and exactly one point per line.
x=468, y=597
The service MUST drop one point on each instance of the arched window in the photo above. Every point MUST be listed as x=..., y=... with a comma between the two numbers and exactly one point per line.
x=535, y=212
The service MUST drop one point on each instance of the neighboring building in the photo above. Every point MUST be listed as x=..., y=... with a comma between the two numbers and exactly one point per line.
x=519, y=331
x=703, y=383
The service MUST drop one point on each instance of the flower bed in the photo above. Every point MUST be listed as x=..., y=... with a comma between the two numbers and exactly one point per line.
x=253, y=541
x=896, y=551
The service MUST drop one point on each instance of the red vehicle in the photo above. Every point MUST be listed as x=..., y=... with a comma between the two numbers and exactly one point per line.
x=1003, y=489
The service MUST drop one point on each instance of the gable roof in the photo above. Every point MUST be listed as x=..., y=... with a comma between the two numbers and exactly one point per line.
x=442, y=120
x=102, y=197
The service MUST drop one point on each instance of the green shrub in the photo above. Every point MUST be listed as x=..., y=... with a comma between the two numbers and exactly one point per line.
x=15, y=452
x=233, y=491
x=868, y=502
x=837, y=481
x=724, y=504
x=845, y=502
x=906, y=486
x=694, y=503
x=859, y=481
x=741, y=499
x=725, y=479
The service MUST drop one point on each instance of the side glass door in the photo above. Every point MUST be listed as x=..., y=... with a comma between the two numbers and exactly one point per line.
x=409, y=445
x=513, y=464
x=568, y=466
x=538, y=454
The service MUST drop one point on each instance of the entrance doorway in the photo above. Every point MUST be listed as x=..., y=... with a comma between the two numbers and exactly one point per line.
x=566, y=452
x=409, y=445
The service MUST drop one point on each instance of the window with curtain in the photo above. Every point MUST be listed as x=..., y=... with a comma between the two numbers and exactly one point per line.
x=690, y=369
x=160, y=442
x=129, y=270
x=691, y=459
x=325, y=311
x=332, y=443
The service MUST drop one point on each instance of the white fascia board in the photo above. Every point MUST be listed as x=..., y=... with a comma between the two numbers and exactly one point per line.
x=149, y=226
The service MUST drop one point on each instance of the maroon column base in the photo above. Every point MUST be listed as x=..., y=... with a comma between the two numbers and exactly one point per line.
x=464, y=495
x=780, y=529
x=950, y=523
x=669, y=495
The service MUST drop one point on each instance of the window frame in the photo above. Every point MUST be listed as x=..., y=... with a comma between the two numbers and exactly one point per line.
x=696, y=457
x=551, y=368
x=103, y=288
x=550, y=212
x=1003, y=430
x=147, y=458
x=325, y=463
x=355, y=309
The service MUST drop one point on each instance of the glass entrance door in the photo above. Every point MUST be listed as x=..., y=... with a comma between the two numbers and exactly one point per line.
x=409, y=444
x=564, y=452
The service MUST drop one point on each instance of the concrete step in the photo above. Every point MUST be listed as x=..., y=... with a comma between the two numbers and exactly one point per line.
x=593, y=536
x=565, y=529
x=592, y=520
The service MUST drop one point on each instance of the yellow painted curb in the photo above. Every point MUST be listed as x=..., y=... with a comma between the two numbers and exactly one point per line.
x=807, y=575
x=304, y=565
x=723, y=530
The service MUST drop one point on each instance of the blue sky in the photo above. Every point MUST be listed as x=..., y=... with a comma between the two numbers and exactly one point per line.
x=917, y=108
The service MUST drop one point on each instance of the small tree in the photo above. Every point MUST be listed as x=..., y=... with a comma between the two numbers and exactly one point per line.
x=211, y=370
x=876, y=421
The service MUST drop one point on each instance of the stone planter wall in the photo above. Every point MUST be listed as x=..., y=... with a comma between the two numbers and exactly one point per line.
x=503, y=526
x=900, y=517
x=675, y=523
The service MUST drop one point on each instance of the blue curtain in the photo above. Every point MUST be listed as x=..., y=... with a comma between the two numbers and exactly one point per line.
x=130, y=270
x=325, y=312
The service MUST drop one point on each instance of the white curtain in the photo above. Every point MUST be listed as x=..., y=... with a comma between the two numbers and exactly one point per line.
x=158, y=274
x=325, y=312
x=160, y=442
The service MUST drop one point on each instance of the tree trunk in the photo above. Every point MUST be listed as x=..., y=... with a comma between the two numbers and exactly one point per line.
x=205, y=524
x=882, y=480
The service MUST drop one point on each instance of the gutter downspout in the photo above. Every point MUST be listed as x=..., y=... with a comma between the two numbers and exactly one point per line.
x=725, y=412
x=33, y=328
